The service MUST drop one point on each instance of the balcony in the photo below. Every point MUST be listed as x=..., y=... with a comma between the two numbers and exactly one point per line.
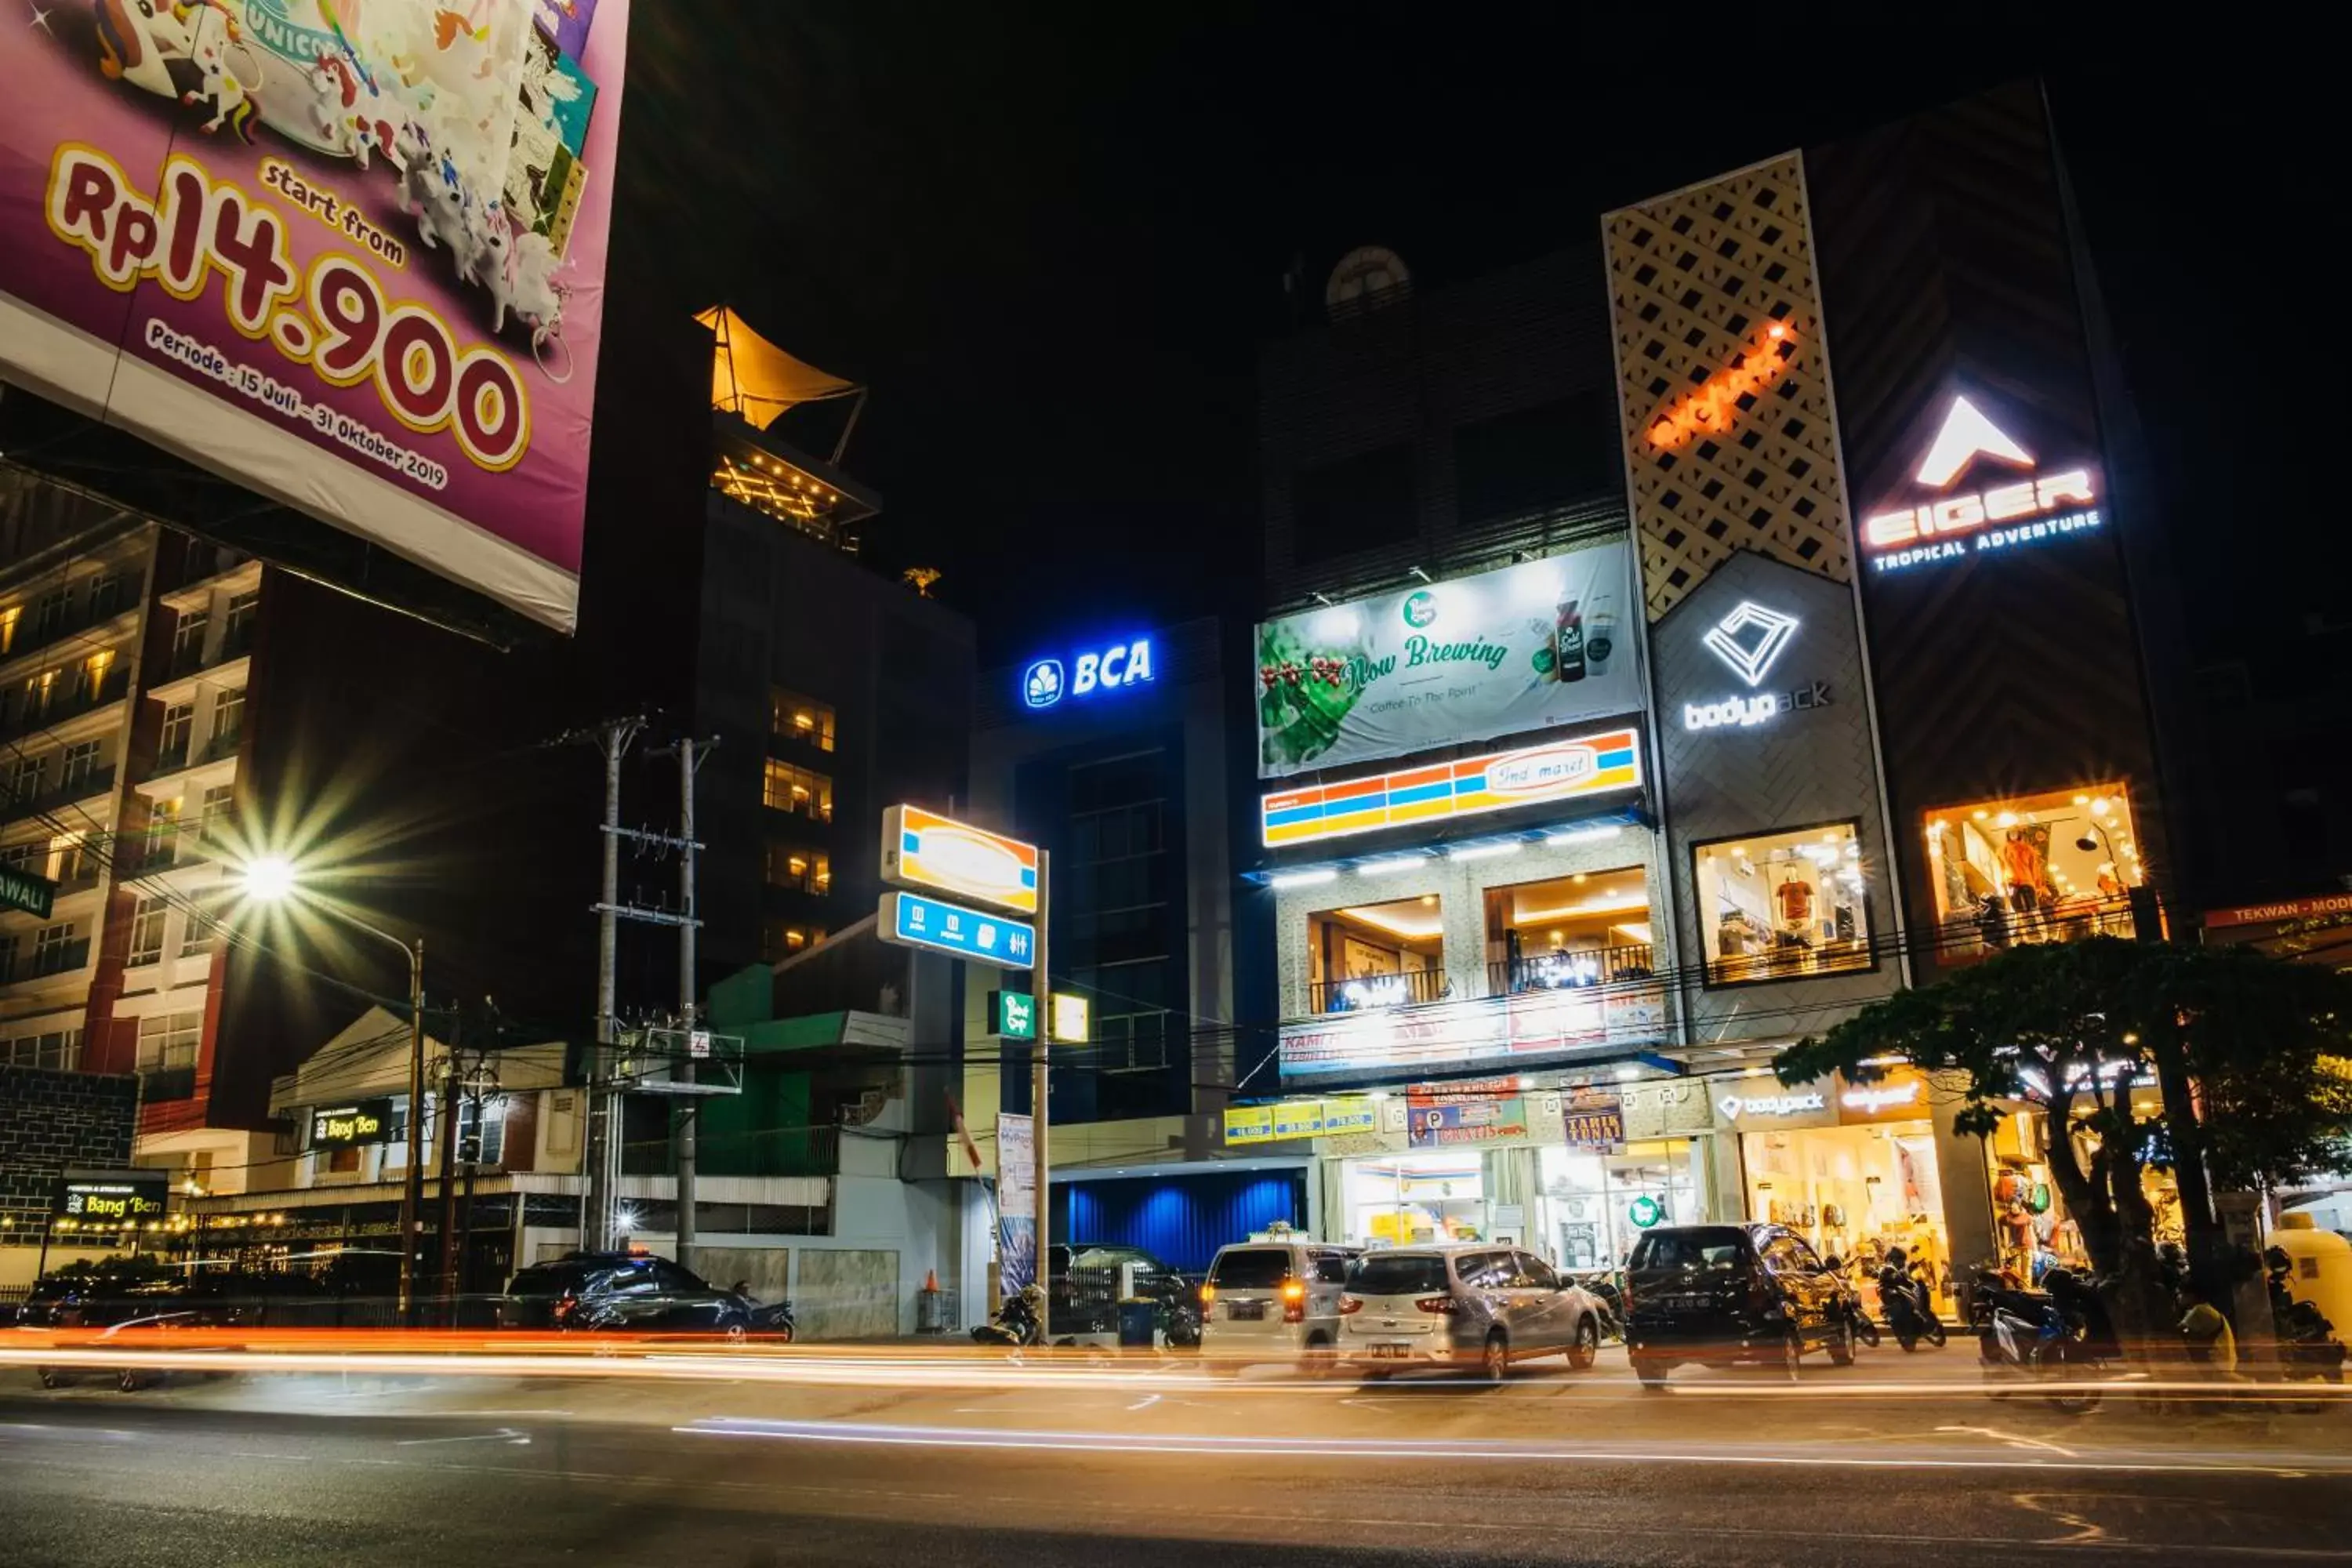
x=109, y=598
x=31, y=715
x=59, y=958
x=93, y=781
x=1571, y=971
x=151, y=854
x=1370, y=992
x=186, y=661
x=1531, y=1014
x=160, y=1084
x=1997, y=927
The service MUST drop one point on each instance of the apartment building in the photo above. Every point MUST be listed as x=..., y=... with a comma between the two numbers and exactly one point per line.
x=125, y=657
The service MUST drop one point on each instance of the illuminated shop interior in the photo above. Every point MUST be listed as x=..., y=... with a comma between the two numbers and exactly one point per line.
x=1376, y=955
x=1855, y=1192
x=1781, y=905
x=1587, y=929
x=2054, y=866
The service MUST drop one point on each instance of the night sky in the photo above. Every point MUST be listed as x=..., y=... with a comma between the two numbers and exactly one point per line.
x=1052, y=242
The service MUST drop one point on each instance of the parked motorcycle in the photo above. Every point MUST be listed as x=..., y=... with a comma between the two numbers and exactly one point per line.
x=2308, y=1350
x=1864, y=1330
x=2063, y=1341
x=1909, y=1308
x=770, y=1320
x=1019, y=1322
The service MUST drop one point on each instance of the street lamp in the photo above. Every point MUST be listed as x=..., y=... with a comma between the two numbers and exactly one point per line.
x=272, y=878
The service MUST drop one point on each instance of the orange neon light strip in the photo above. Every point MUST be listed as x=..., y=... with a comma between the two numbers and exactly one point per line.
x=1710, y=407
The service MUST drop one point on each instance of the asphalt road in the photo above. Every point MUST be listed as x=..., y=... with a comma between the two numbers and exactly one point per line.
x=891, y=1459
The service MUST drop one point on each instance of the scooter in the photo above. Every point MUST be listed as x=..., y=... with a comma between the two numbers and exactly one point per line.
x=1910, y=1313
x=2308, y=1350
x=2065, y=1341
x=1019, y=1322
x=1864, y=1330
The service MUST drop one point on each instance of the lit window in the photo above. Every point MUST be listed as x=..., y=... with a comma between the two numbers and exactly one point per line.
x=798, y=718
x=1585, y=929
x=147, y=931
x=804, y=870
x=799, y=791
x=1782, y=906
x=2052, y=866
x=1373, y=955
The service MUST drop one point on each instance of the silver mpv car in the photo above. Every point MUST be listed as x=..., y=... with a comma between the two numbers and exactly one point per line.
x=1474, y=1305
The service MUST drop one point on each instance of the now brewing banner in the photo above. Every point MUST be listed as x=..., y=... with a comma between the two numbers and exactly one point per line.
x=1524, y=647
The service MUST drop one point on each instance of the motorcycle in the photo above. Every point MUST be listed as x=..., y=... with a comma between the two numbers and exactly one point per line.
x=1019, y=1322
x=2063, y=1339
x=1910, y=1310
x=1864, y=1329
x=2308, y=1350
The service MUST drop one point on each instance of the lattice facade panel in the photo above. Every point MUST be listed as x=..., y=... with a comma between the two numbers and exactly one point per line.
x=1722, y=382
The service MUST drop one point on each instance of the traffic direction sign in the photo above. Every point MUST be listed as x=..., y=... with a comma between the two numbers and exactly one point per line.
x=913, y=920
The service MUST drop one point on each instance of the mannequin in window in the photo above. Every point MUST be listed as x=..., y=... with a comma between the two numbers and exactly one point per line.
x=1792, y=900
x=2021, y=863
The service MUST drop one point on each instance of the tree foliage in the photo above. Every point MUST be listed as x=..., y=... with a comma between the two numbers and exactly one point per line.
x=2251, y=1055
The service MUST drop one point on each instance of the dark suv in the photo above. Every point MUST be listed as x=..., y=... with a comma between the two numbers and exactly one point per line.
x=626, y=1292
x=1730, y=1294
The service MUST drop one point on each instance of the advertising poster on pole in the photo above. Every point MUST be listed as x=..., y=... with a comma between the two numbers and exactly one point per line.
x=1016, y=1203
x=349, y=254
x=1501, y=653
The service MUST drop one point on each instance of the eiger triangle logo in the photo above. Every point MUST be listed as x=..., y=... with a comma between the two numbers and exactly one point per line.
x=1966, y=434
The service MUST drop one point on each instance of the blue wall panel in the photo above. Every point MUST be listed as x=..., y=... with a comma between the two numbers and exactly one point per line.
x=1181, y=1220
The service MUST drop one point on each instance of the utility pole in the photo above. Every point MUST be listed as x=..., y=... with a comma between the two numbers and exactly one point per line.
x=447, y=1112
x=691, y=755
x=600, y=1164
x=1041, y=1084
x=412, y=1175
x=614, y=911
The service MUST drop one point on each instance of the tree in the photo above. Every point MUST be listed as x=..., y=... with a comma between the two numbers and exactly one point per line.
x=2251, y=1057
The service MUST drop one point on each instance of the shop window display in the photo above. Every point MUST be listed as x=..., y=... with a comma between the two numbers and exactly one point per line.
x=1591, y=928
x=1598, y=1205
x=1855, y=1192
x=2055, y=867
x=1414, y=1199
x=1784, y=905
x=2031, y=1226
x=1376, y=955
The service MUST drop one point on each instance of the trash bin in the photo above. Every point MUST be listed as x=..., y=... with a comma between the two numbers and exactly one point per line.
x=1136, y=1317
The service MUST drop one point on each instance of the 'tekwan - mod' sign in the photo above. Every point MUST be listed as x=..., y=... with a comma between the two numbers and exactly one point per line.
x=1125, y=664
x=921, y=848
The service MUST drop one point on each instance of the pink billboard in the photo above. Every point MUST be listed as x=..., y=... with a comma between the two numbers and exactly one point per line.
x=347, y=253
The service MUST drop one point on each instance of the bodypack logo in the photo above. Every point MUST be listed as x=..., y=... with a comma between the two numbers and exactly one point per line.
x=1749, y=638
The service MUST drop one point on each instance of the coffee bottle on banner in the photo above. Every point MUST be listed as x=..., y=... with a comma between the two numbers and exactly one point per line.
x=1567, y=643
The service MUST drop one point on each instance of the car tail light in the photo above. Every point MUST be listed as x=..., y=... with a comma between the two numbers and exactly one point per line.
x=1208, y=1294
x=1294, y=1300
x=1351, y=1304
x=1441, y=1305
x=564, y=1307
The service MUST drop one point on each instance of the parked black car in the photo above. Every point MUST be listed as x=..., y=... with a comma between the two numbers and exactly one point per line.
x=1730, y=1294
x=633, y=1292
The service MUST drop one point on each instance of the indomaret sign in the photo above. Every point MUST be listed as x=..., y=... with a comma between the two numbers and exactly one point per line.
x=1960, y=510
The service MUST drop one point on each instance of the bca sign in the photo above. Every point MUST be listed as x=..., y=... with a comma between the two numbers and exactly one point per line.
x=1045, y=683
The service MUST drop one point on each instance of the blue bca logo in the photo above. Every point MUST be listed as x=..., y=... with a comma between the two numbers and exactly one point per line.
x=1041, y=684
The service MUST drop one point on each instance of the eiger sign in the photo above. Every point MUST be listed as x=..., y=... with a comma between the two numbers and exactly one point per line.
x=1977, y=491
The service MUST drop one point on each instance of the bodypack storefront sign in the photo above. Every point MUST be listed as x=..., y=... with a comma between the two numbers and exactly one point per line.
x=1501, y=653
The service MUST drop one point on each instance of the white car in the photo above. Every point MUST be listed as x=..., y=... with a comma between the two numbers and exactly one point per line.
x=1274, y=1302
x=1474, y=1305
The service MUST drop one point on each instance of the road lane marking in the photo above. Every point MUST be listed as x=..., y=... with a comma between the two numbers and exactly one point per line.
x=2015, y=1439
x=506, y=1435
